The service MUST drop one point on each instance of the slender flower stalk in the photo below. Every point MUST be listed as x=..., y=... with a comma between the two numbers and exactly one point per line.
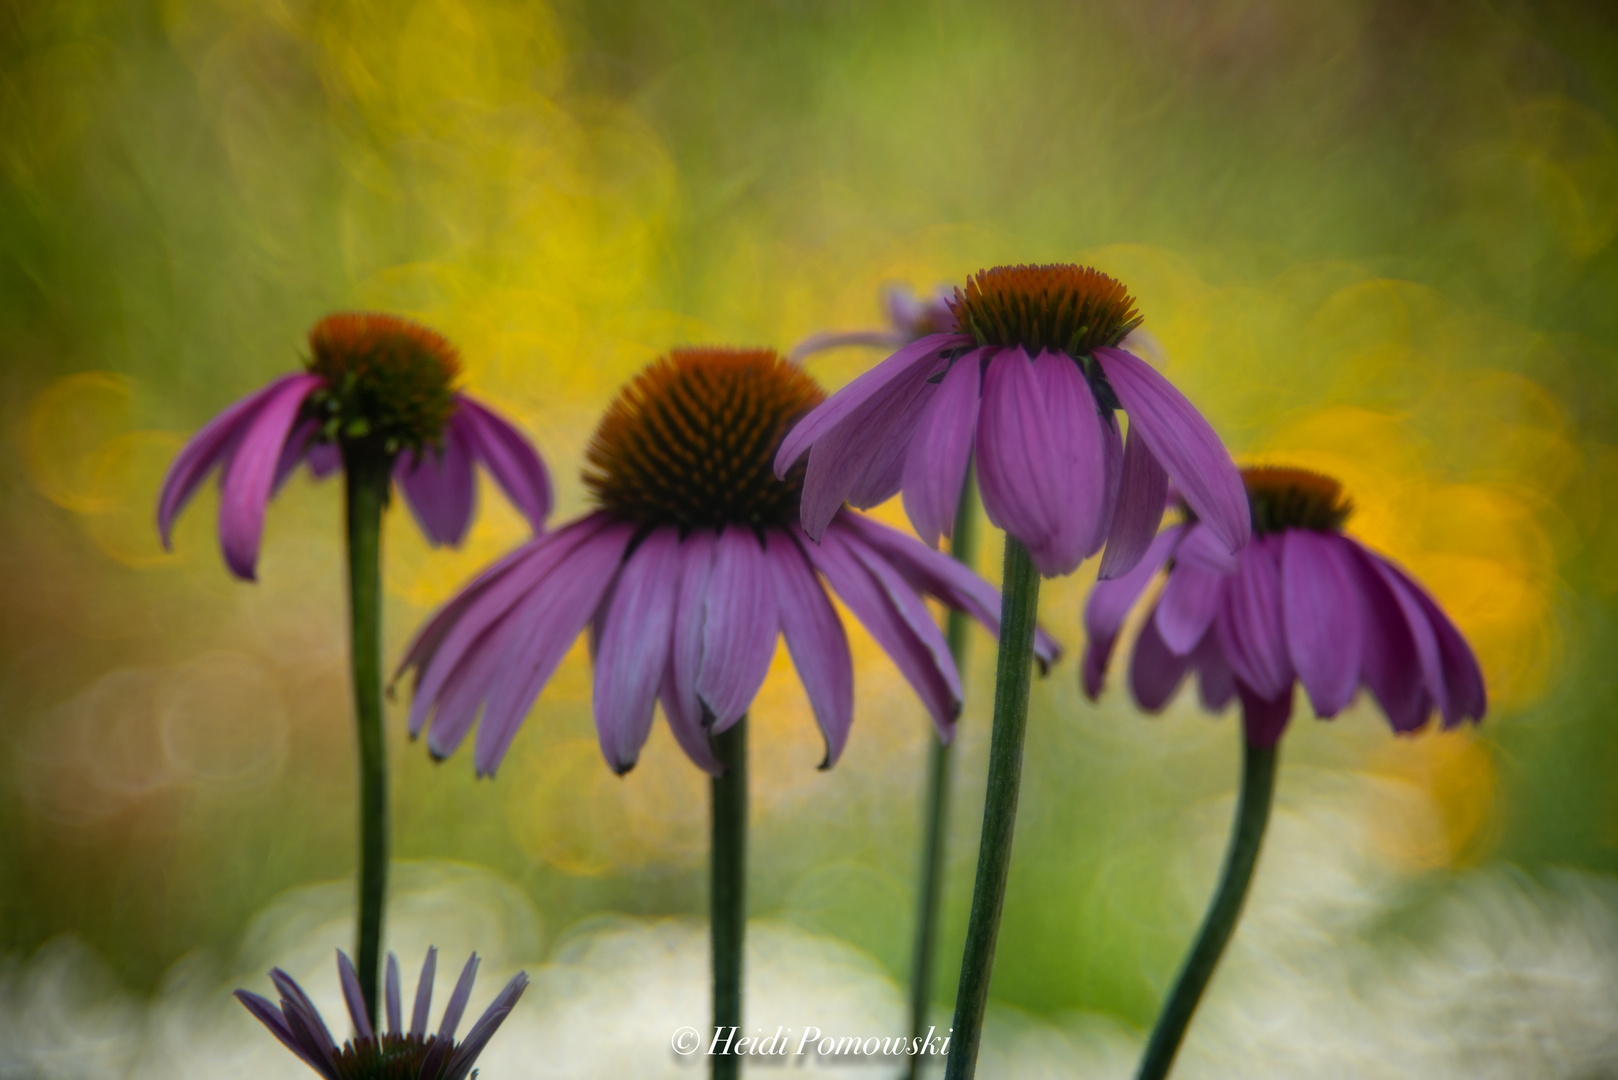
x=1246, y=838
x=1305, y=605
x=377, y=400
x=727, y=890
x=1027, y=384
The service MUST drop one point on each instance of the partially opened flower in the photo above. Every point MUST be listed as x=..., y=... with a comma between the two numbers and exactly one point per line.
x=692, y=565
x=909, y=317
x=373, y=381
x=1303, y=602
x=397, y=1053
x=1029, y=384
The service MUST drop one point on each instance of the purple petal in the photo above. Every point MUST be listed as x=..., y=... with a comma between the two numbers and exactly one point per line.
x=685, y=656
x=294, y=452
x=270, y=1017
x=1464, y=696
x=1156, y=672
x=1182, y=440
x=837, y=408
x=739, y=627
x=1390, y=664
x=1110, y=603
x=212, y=446
x=1264, y=719
x=545, y=624
x=935, y=462
x=839, y=339
x=895, y=617
x=293, y=994
x=1190, y=600
x=439, y=486
x=815, y=638
x=885, y=458
x=928, y=571
x=424, y=994
x=510, y=458
x=457, y=1000
x=1249, y=623
x=352, y=996
x=306, y=1027
x=1321, y=611
x=323, y=459
x=467, y=1053
x=1202, y=549
x=244, y=488
x=1041, y=460
x=1112, y=452
x=1142, y=495
x=684, y=714
x=634, y=647
x=391, y=996
x=1216, y=682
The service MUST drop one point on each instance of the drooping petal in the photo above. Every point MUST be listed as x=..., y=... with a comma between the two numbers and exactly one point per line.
x=740, y=622
x=508, y=455
x=244, y=489
x=546, y=622
x=424, y=994
x=634, y=647
x=1156, y=671
x=1216, y=683
x=690, y=618
x=1321, y=610
x=352, y=997
x=816, y=639
x=391, y=996
x=458, y=999
x=1264, y=718
x=1390, y=662
x=1042, y=467
x=1249, y=623
x=1142, y=495
x=866, y=446
x=885, y=459
x=895, y=617
x=1202, y=549
x=684, y=715
x=899, y=367
x=213, y=445
x=935, y=462
x=439, y=486
x=1112, y=453
x=1188, y=605
x=323, y=459
x=1183, y=442
x=1110, y=603
x=932, y=572
x=467, y=1053
x=1464, y=696
x=294, y=452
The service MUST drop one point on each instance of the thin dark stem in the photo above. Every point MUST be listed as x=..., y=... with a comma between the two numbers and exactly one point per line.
x=1247, y=835
x=727, y=897
x=935, y=812
x=1019, y=603
x=367, y=477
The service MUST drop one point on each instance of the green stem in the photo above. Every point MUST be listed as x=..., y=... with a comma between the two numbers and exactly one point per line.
x=367, y=476
x=1247, y=835
x=1019, y=604
x=964, y=547
x=727, y=896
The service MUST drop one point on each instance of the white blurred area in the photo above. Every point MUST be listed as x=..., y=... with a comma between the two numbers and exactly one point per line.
x=1335, y=972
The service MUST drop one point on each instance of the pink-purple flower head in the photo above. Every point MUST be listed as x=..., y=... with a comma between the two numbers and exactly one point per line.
x=374, y=384
x=686, y=573
x=1030, y=384
x=909, y=317
x=398, y=1053
x=1302, y=602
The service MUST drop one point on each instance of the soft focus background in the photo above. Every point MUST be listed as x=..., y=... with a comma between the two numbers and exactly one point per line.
x=1374, y=237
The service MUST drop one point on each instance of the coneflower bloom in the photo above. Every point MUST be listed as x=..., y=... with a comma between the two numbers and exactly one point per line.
x=1028, y=385
x=685, y=574
x=397, y=1053
x=909, y=317
x=369, y=378
x=1303, y=602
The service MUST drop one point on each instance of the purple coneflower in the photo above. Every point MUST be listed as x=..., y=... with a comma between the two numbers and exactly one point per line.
x=684, y=576
x=1302, y=602
x=1028, y=387
x=909, y=317
x=378, y=379
x=394, y=1054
